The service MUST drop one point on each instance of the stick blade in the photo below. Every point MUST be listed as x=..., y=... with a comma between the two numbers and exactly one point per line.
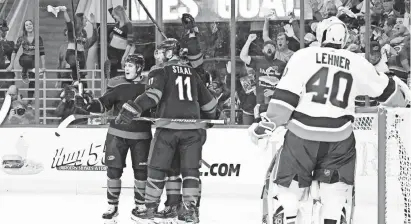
x=5, y=108
x=64, y=124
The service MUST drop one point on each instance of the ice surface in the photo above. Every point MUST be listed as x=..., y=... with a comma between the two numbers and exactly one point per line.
x=18, y=208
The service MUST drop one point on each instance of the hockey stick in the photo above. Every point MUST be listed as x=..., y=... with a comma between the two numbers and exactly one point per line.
x=5, y=108
x=64, y=124
x=80, y=85
x=151, y=17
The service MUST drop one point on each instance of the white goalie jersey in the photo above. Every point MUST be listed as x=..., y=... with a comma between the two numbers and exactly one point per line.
x=316, y=95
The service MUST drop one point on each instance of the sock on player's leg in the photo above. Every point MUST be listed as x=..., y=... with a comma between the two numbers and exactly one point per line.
x=113, y=185
x=154, y=187
x=140, y=181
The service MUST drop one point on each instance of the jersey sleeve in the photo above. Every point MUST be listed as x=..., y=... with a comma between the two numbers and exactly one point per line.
x=154, y=90
x=287, y=93
x=377, y=84
x=103, y=103
x=208, y=103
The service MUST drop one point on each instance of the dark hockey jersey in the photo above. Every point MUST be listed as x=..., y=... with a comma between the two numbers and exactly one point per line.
x=119, y=91
x=179, y=93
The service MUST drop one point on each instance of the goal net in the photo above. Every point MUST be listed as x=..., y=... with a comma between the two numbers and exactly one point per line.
x=383, y=175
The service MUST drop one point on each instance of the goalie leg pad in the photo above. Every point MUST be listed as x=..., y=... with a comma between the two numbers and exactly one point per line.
x=286, y=203
x=336, y=200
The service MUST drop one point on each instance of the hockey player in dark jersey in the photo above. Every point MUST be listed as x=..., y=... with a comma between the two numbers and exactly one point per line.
x=135, y=136
x=178, y=92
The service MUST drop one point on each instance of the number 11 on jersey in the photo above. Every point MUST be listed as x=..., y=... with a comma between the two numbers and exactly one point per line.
x=184, y=86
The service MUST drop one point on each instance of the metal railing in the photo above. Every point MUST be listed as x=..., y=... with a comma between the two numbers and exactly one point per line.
x=44, y=89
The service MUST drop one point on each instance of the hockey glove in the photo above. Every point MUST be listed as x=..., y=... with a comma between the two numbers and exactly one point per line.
x=128, y=112
x=261, y=130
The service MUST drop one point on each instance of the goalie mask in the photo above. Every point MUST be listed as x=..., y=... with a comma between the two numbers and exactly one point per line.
x=332, y=31
x=168, y=49
x=134, y=66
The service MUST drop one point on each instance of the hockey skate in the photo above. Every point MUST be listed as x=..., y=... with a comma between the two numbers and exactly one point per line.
x=167, y=216
x=143, y=215
x=188, y=214
x=110, y=216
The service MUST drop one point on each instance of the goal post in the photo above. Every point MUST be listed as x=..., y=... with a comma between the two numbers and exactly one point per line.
x=385, y=133
x=382, y=154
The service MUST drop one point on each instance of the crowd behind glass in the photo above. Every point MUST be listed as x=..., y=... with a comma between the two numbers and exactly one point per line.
x=208, y=46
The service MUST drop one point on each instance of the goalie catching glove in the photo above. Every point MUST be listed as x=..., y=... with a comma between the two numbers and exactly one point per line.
x=128, y=112
x=261, y=130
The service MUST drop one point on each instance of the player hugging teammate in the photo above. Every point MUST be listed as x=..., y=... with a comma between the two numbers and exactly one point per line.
x=135, y=136
x=178, y=92
x=316, y=106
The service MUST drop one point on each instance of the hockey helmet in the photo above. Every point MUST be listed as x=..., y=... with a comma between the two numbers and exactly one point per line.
x=136, y=59
x=332, y=31
x=169, y=47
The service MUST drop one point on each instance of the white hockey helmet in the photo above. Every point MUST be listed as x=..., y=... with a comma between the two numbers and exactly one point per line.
x=332, y=31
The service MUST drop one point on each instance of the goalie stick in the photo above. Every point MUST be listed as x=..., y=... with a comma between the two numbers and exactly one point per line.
x=264, y=194
x=64, y=124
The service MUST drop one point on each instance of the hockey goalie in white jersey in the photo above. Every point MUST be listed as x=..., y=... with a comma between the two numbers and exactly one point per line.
x=314, y=100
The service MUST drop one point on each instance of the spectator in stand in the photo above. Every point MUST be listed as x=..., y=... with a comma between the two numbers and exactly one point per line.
x=263, y=66
x=400, y=63
x=282, y=53
x=121, y=38
x=77, y=30
x=6, y=50
x=14, y=93
x=26, y=59
x=323, y=9
x=62, y=64
x=20, y=114
x=217, y=42
x=217, y=46
x=245, y=97
x=388, y=31
x=72, y=103
x=407, y=18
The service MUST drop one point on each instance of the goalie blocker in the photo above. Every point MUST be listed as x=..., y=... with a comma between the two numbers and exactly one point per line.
x=317, y=107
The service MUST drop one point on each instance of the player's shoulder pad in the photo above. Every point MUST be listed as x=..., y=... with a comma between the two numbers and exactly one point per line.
x=156, y=67
x=117, y=81
x=155, y=71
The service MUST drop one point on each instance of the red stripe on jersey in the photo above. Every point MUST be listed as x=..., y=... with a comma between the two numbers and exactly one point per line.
x=322, y=122
x=286, y=96
x=388, y=91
